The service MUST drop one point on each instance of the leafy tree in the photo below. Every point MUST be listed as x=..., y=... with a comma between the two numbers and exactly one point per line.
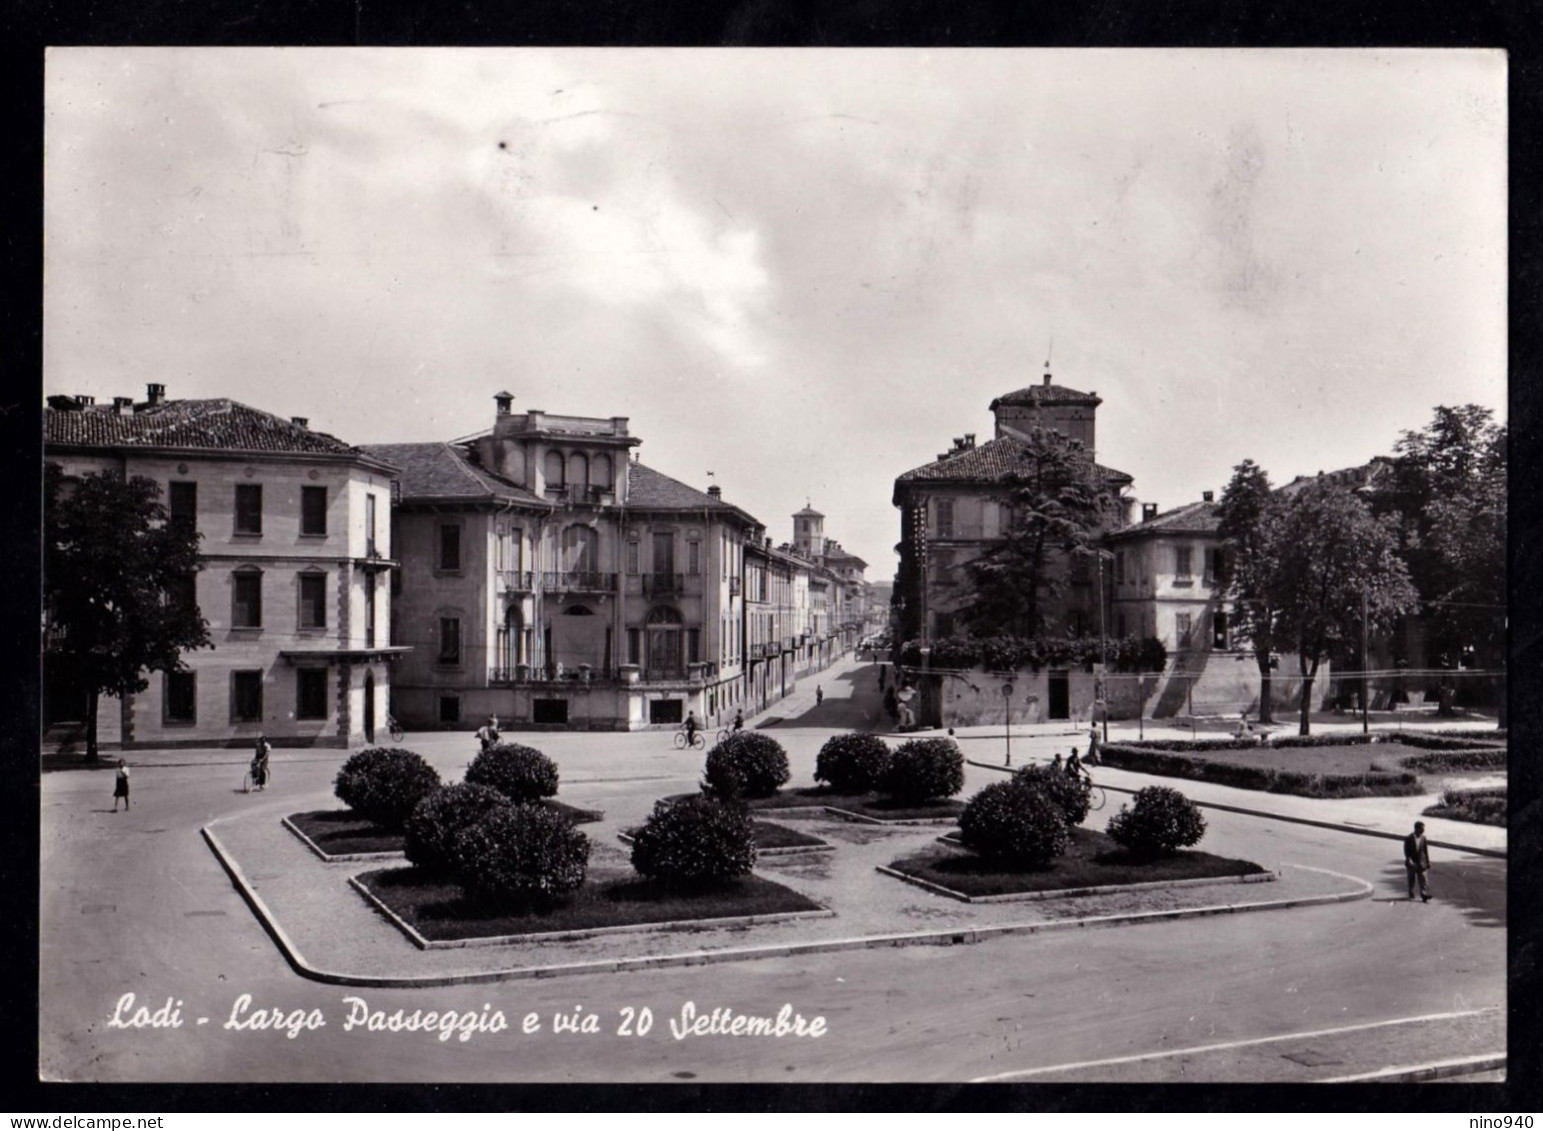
x=1246, y=504
x=1060, y=503
x=115, y=584
x=1447, y=493
x=1324, y=559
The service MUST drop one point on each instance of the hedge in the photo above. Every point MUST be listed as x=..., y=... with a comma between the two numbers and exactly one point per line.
x=923, y=769
x=852, y=763
x=385, y=785
x=746, y=764
x=1020, y=826
x=521, y=773
x=695, y=840
x=517, y=853
x=1264, y=778
x=439, y=819
x=1072, y=795
x=1158, y=822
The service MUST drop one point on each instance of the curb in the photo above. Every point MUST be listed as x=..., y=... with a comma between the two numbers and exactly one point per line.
x=573, y=936
x=1439, y=1070
x=708, y=958
x=1068, y=893
x=1492, y=852
x=342, y=858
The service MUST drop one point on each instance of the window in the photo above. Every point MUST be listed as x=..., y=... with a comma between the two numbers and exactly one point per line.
x=693, y=645
x=633, y=641
x=693, y=557
x=182, y=591
x=313, y=600
x=249, y=508
x=369, y=526
x=313, y=510
x=578, y=470
x=1119, y=569
x=1215, y=566
x=1182, y=565
x=449, y=547
x=182, y=501
x=552, y=464
x=369, y=610
x=449, y=640
x=311, y=693
x=449, y=708
x=945, y=519
x=1219, y=631
x=247, y=606
x=179, y=698
x=246, y=697
x=1181, y=629
x=633, y=558
x=601, y=473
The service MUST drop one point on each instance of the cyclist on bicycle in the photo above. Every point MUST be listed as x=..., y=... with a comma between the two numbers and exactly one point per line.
x=691, y=727
x=1074, y=765
x=739, y=720
x=260, y=763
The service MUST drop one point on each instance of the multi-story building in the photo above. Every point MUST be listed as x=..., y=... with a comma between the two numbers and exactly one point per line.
x=295, y=548
x=554, y=580
x=954, y=510
x=773, y=631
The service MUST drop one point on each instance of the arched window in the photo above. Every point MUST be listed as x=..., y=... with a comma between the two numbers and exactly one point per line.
x=553, y=467
x=602, y=474
x=578, y=470
x=578, y=611
x=580, y=549
x=665, y=615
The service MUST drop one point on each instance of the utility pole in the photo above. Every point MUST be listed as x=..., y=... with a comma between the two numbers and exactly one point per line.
x=1365, y=701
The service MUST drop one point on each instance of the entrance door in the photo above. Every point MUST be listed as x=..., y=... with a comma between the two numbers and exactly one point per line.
x=664, y=554
x=369, y=706
x=1060, y=696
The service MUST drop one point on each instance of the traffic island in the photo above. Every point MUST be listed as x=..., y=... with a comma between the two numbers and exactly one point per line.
x=771, y=839
x=1093, y=865
x=433, y=912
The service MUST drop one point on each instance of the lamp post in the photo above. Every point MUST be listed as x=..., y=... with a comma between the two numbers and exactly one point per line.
x=1007, y=719
x=1365, y=701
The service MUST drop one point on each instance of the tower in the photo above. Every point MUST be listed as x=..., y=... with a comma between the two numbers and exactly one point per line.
x=809, y=533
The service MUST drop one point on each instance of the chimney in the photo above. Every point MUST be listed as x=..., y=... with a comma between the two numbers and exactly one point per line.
x=969, y=441
x=123, y=405
x=715, y=491
x=300, y=421
x=84, y=400
x=504, y=402
x=155, y=394
x=1047, y=378
x=1148, y=511
x=1208, y=496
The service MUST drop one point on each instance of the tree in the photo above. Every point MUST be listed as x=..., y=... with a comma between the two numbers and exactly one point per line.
x=1329, y=567
x=1447, y=493
x=115, y=584
x=1245, y=506
x=1059, y=502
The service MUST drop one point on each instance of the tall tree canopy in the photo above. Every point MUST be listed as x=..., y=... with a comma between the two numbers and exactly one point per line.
x=1246, y=506
x=1059, y=503
x=116, y=586
x=1447, y=493
x=1328, y=566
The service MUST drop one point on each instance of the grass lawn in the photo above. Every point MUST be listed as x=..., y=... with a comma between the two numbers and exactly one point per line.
x=1091, y=860
x=1480, y=806
x=1366, y=770
x=436, y=910
x=769, y=835
x=342, y=832
x=868, y=804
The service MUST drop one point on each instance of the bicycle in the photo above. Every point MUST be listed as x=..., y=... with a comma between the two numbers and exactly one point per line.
x=698, y=740
x=723, y=735
x=394, y=727
x=251, y=781
x=1096, y=794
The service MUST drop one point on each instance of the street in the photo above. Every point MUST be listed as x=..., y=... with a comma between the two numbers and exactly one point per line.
x=135, y=903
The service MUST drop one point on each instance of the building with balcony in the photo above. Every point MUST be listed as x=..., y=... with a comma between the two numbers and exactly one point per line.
x=295, y=553
x=554, y=580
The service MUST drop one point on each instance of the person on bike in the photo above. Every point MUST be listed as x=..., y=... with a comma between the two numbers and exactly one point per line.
x=487, y=734
x=260, y=762
x=1074, y=765
x=691, y=727
x=739, y=720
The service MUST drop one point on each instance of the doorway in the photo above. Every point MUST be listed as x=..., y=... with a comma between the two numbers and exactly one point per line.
x=1060, y=696
x=369, y=706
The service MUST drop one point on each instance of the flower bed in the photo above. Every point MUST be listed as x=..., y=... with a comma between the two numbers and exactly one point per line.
x=769, y=837
x=342, y=832
x=1479, y=806
x=438, y=911
x=874, y=806
x=1092, y=860
x=1346, y=769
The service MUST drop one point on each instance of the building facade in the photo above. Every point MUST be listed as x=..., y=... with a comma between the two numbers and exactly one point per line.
x=554, y=580
x=295, y=560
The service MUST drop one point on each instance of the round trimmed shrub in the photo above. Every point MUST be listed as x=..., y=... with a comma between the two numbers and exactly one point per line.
x=1158, y=822
x=439, y=819
x=519, y=853
x=924, y=769
x=1073, y=794
x=385, y=785
x=695, y=840
x=521, y=773
x=746, y=765
x=1021, y=827
x=852, y=763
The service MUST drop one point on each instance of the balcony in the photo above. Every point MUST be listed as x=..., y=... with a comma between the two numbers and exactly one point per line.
x=517, y=580
x=578, y=582
x=525, y=675
x=671, y=584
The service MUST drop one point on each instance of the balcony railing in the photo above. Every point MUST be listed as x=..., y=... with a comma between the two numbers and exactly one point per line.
x=524, y=674
x=518, y=580
x=578, y=581
x=664, y=584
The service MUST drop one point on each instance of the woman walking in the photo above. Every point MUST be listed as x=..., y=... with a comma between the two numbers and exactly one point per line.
x=121, y=786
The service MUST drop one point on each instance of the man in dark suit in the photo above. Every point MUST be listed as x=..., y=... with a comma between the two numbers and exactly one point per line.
x=1417, y=861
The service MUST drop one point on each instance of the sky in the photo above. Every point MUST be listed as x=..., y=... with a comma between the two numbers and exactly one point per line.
x=802, y=271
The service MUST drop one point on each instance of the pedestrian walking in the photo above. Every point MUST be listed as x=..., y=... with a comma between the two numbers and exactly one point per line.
x=819, y=695
x=1417, y=861
x=1092, y=758
x=487, y=734
x=121, y=786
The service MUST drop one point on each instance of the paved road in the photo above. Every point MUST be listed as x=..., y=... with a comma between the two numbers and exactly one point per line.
x=134, y=903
